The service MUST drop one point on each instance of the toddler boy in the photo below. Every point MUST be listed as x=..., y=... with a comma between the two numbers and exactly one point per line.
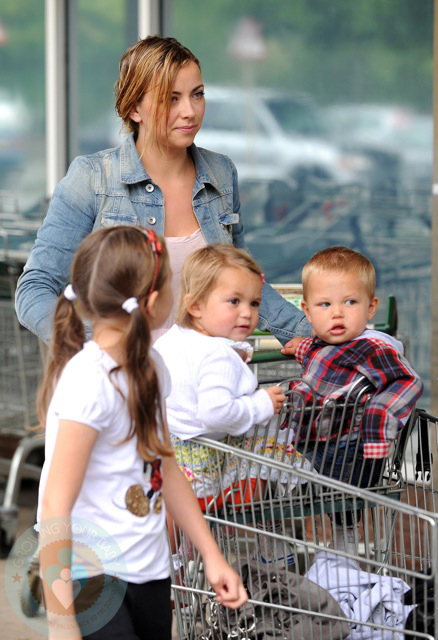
x=339, y=300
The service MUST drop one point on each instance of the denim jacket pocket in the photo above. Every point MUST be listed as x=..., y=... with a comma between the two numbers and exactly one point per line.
x=108, y=219
x=227, y=220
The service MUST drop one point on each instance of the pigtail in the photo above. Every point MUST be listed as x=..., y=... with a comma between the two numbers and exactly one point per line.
x=68, y=338
x=144, y=396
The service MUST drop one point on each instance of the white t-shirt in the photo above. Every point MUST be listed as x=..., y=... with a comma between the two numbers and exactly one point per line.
x=373, y=334
x=213, y=391
x=86, y=394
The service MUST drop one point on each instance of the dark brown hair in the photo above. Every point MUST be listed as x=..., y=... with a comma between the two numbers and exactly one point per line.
x=110, y=266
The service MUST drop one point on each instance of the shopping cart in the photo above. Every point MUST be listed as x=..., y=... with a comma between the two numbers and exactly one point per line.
x=297, y=526
x=21, y=451
x=369, y=594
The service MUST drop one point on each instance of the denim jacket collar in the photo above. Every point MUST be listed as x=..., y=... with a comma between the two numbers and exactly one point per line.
x=132, y=170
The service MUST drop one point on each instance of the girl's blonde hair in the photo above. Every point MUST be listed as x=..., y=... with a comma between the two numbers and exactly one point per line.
x=110, y=266
x=201, y=271
x=150, y=65
x=341, y=260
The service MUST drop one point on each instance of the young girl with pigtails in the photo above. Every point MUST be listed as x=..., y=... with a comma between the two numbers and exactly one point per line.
x=109, y=459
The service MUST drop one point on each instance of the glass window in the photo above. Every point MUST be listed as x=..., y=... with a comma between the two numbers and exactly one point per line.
x=99, y=33
x=296, y=115
x=22, y=201
x=345, y=89
x=224, y=116
x=22, y=116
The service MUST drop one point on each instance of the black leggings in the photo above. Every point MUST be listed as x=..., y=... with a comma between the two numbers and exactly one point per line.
x=145, y=614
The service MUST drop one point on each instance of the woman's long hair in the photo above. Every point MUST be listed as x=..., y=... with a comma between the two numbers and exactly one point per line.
x=110, y=266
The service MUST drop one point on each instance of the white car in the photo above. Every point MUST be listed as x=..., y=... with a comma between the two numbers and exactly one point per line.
x=14, y=128
x=273, y=135
x=398, y=143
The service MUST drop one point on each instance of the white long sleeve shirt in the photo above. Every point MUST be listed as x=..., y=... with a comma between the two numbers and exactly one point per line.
x=213, y=391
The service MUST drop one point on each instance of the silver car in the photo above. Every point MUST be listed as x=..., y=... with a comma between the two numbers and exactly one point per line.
x=274, y=134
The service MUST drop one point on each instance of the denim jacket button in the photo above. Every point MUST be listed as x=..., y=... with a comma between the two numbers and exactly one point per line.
x=150, y=187
x=152, y=220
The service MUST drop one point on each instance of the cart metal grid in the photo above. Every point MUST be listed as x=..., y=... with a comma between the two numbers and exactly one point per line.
x=21, y=457
x=278, y=534
x=20, y=372
x=397, y=552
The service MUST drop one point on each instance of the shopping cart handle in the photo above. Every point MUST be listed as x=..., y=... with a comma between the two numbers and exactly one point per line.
x=391, y=323
x=424, y=457
x=272, y=355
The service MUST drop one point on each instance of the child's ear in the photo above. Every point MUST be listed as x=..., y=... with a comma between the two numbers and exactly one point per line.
x=151, y=305
x=192, y=307
x=372, y=308
x=305, y=308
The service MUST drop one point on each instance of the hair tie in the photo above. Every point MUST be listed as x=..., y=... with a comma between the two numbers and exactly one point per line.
x=263, y=278
x=130, y=305
x=69, y=293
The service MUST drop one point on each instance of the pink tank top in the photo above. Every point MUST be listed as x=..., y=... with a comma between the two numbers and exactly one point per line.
x=179, y=249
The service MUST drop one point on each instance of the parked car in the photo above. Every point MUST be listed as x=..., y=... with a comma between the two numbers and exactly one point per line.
x=414, y=145
x=274, y=134
x=14, y=128
x=397, y=141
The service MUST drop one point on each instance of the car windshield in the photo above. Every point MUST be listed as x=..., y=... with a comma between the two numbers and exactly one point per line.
x=295, y=116
x=418, y=135
x=224, y=115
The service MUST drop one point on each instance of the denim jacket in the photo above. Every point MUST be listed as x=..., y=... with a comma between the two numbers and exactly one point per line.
x=111, y=187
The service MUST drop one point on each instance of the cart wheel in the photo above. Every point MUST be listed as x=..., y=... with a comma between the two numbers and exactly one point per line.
x=6, y=543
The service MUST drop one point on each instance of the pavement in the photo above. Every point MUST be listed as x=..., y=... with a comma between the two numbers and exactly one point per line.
x=12, y=627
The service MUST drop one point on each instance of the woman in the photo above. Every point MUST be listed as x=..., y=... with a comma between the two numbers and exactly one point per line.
x=158, y=179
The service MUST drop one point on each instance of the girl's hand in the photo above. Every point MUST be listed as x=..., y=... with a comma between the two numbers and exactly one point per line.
x=226, y=582
x=291, y=346
x=277, y=397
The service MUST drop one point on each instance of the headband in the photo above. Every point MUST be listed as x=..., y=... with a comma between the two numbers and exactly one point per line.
x=131, y=304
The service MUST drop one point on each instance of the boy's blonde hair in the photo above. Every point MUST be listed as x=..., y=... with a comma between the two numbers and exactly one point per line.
x=342, y=260
x=201, y=271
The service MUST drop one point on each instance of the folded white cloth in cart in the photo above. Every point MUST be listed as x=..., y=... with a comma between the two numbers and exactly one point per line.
x=363, y=596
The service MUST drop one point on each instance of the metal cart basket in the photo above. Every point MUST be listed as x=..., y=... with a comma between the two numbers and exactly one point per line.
x=379, y=587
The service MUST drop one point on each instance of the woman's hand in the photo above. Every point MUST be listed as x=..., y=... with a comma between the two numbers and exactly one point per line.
x=277, y=397
x=225, y=581
x=290, y=347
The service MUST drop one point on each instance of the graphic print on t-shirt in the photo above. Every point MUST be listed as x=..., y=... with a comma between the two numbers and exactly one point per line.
x=138, y=502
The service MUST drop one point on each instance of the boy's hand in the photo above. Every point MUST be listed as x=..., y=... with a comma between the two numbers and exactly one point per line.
x=277, y=397
x=290, y=347
x=226, y=582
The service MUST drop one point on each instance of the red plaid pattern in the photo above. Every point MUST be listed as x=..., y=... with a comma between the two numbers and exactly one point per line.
x=332, y=369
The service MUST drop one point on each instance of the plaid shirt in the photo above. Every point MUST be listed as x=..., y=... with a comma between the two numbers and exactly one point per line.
x=331, y=369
